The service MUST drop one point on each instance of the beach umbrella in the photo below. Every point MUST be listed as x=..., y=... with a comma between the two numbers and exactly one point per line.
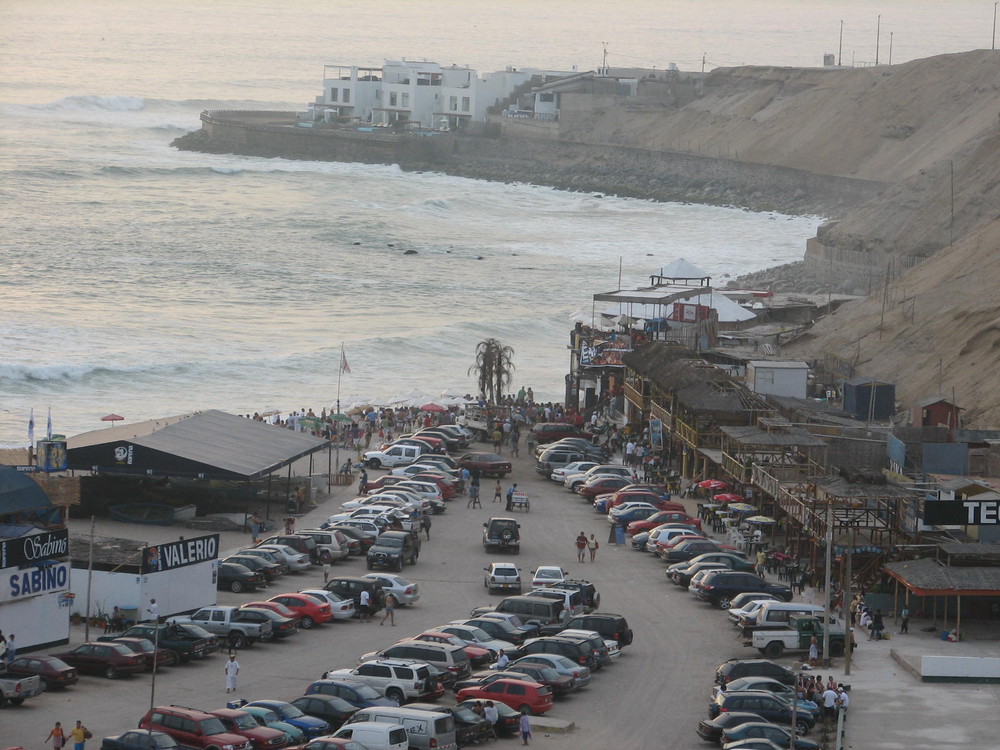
x=712, y=484
x=743, y=507
x=112, y=417
x=728, y=497
x=761, y=520
x=433, y=407
x=341, y=418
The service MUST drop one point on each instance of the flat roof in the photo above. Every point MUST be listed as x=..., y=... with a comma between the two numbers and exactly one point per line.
x=928, y=577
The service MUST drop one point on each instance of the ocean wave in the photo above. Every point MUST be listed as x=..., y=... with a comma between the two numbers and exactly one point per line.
x=93, y=102
x=67, y=373
x=138, y=171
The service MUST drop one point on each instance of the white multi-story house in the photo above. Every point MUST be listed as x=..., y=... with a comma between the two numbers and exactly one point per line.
x=423, y=93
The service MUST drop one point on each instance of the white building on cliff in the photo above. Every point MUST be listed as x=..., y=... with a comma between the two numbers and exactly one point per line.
x=424, y=93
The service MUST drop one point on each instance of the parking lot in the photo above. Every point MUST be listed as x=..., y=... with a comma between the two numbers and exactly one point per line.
x=651, y=697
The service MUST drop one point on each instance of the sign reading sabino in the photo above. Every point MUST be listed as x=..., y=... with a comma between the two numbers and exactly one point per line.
x=35, y=548
x=962, y=513
x=160, y=557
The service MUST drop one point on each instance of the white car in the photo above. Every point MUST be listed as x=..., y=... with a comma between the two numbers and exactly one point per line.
x=342, y=608
x=293, y=558
x=502, y=576
x=474, y=636
x=577, y=467
x=366, y=500
x=420, y=468
x=425, y=490
x=366, y=513
x=664, y=534
x=406, y=592
x=547, y=575
x=616, y=470
x=747, y=611
x=619, y=510
x=369, y=528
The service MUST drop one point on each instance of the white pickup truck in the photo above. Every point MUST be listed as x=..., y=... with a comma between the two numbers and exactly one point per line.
x=17, y=689
x=227, y=623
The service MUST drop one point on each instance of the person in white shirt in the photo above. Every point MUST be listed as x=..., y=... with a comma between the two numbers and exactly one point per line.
x=364, y=612
x=502, y=660
x=153, y=611
x=232, y=669
x=843, y=699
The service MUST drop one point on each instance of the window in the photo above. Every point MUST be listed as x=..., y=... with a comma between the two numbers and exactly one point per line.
x=406, y=99
x=404, y=673
x=546, y=97
x=465, y=104
x=453, y=102
x=374, y=670
x=513, y=689
x=392, y=102
x=333, y=94
x=347, y=96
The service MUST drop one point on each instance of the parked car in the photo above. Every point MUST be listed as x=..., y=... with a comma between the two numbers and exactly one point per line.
x=401, y=680
x=529, y=629
x=560, y=684
x=548, y=575
x=473, y=636
x=561, y=664
x=270, y=571
x=487, y=464
x=192, y=728
x=310, y=726
x=452, y=660
x=498, y=629
x=281, y=626
x=245, y=725
x=733, y=669
x=744, y=605
x=265, y=717
x=335, y=743
x=302, y=543
x=711, y=729
x=404, y=591
x=549, y=432
x=502, y=576
x=329, y=708
x=140, y=739
x=311, y=611
x=577, y=469
x=523, y=695
x=470, y=727
x=187, y=640
x=99, y=657
x=508, y=719
x=393, y=549
x=786, y=692
x=293, y=558
x=590, y=597
x=358, y=694
x=151, y=655
x=602, y=484
x=573, y=480
x=779, y=735
x=610, y=626
x=681, y=573
x=238, y=578
x=352, y=586
x=478, y=655
x=573, y=649
x=719, y=587
x=690, y=548
x=268, y=555
x=53, y=672
x=770, y=706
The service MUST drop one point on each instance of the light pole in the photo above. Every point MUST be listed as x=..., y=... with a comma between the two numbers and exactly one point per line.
x=890, y=46
x=993, y=45
x=827, y=582
x=878, y=35
x=840, y=48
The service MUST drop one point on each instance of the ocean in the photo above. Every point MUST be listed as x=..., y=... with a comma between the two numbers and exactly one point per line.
x=144, y=281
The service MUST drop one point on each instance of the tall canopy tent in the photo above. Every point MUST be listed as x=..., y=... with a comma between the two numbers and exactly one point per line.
x=203, y=445
x=19, y=493
x=681, y=271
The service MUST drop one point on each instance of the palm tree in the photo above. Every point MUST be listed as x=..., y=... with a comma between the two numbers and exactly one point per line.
x=494, y=367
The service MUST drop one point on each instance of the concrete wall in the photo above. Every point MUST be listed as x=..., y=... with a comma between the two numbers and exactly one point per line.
x=960, y=668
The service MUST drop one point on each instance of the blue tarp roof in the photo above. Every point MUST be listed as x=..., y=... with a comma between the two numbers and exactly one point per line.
x=20, y=493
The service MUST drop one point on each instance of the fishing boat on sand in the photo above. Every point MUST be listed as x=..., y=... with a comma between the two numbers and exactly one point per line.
x=154, y=514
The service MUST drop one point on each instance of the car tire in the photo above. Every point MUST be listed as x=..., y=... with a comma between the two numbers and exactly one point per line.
x=525, y=709
x=306, y=622
x=724, y=602
x=110, y=672
x=374, y=463
x=507, y=536
x=395, y=694
x=236, y=587
x=237, y=640
x=774, y=649
x=171, y=659
x=16, y=701
x=801, y=727
x=43, y=684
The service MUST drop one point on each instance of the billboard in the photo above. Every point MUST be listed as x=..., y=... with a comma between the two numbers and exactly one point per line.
x=160, y=557
x=604, y=352
x=962, y=513
x=34, y=548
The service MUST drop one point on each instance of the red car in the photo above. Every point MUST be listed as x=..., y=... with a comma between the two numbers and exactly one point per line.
x=446, y=486
x=664, y=516
x=384, y=481
x=101, y=657
x=245, y=725
x=602, y=486
x=673, y=542
x=309, y=610
x=277, y=608
x=518, y=694
x=55, y=673
x=477, y=655
x=630, y=495
x=148, y=651
x=488, y=464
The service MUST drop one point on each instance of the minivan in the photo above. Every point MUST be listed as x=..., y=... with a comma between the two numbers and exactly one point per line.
x=572, y=599
x=298, y=542
x=557, y=458
x=376, y=735
x=531, y=609
x=576, y=650
x=425, y=730
x=330, y=544
x=452, y=660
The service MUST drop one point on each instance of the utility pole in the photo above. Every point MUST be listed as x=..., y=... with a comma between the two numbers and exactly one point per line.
x=827, y=582
x=993, y=46
x=604, y=67
x=890, y=46
x=878, y=36
x=705, y=54
x=840, y=48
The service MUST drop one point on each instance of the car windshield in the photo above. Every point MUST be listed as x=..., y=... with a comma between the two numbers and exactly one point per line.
x=291, y=712
x=367, y=692
x=245, y=721
x=162, y=741
x=121, y=649
x=211, y=726
x=548, y=574
x=479, y=634
x=465, y=714
x=196, y=631
x=269, y=716
x=390, y=542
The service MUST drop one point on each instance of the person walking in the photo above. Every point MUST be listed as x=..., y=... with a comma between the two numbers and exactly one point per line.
x=473, y=496
x=498, y=493
x=510, y=496
x=515, y=438
x=255, y=527
x=904, y=625
x=363, y=482
x=581, y=545
x=79, y=734
x=11, y=649
x=364, y=600
x=57, y=735
x=492, y=715
x=425, y=523
x=761, y=562
x=497, y=441
x=232, y=669
x=593, y=546
x=390, y=610
x=877, y=626
x=524, y=726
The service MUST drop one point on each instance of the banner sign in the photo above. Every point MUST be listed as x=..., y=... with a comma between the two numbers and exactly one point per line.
x=33, y=549
x=595, y=352
x=23, y=584
x=160, y=557
x=962, y=513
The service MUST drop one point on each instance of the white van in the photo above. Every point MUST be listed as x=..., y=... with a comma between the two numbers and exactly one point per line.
x=375, y=735
x=777, y=614
x=394, y=455
x=425, y=729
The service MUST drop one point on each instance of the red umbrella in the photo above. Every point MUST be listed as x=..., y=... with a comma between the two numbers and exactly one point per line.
x=113, y=418
x=433, y=407
x=712, y=484
x=728, y=497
